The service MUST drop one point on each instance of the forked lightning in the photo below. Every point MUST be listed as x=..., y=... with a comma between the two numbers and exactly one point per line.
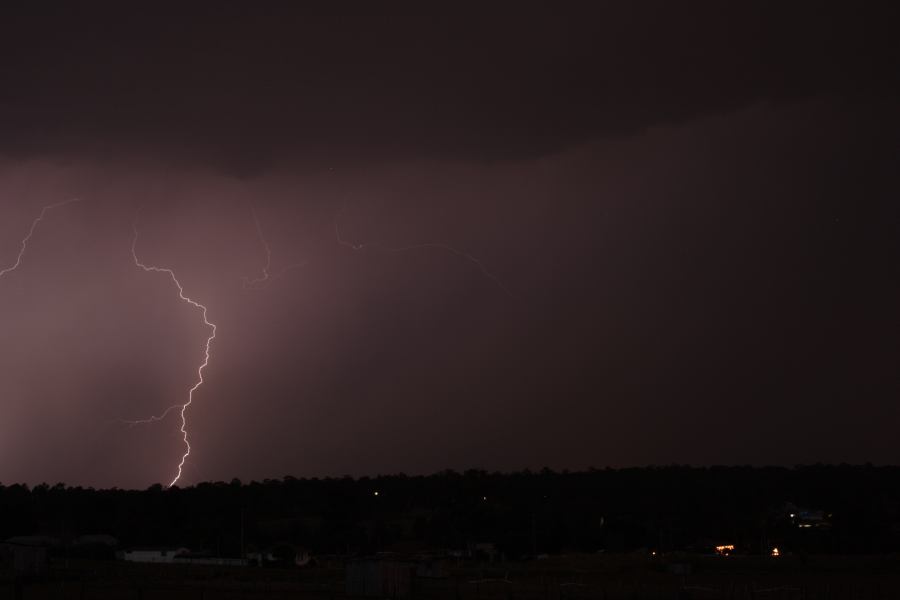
x=212, y=335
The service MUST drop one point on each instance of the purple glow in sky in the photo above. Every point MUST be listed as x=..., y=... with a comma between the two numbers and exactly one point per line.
x=609, y=237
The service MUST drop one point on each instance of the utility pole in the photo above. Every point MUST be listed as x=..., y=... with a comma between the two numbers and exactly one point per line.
x=533, y=534
x=242, y=534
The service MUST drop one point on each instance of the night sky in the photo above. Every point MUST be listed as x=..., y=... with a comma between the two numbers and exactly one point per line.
x=639, y=233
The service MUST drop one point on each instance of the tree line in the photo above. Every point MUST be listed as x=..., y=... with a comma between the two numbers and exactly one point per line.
x=524, y=513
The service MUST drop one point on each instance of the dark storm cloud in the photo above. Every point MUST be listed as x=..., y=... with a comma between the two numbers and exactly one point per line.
x=720, y=291
x=694, y=209
x=242, y=86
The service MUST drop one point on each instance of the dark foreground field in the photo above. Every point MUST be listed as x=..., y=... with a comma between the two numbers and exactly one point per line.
x=608, y=577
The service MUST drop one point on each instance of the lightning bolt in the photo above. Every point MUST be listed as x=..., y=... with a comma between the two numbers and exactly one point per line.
x=34, y=226
x=261, y=282
x=426, y=246
x=151, y=419
x=212, y=335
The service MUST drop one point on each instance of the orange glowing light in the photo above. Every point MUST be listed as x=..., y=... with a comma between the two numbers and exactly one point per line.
x=725, y=549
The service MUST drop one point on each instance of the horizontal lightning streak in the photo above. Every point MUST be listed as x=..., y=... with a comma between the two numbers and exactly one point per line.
x=27, y=238
x=203, y=365
x=424, y=246
x=151, y=419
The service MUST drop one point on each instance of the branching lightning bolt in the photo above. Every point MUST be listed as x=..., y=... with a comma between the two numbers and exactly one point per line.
x=212, y=335
x=34, y=226
x=425, y=246
x=261, y=282
x=151, y=419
